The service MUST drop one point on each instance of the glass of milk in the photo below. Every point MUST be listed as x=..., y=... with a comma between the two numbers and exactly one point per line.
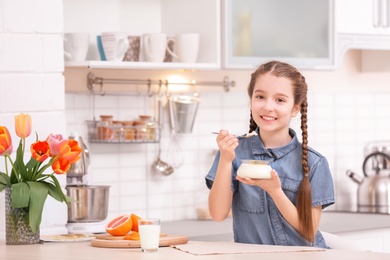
x=149, y=231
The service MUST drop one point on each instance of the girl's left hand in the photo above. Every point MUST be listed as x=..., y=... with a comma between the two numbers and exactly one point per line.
x=268, y=185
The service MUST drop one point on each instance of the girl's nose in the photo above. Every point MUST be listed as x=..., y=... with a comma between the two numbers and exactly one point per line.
x=268, y=105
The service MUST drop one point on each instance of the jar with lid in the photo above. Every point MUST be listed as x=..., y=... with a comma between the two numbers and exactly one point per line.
x=104, y=128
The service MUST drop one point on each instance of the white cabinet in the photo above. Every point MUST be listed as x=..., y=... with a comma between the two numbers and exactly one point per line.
x=300, y=32
x=136, y=17
x=369, y=17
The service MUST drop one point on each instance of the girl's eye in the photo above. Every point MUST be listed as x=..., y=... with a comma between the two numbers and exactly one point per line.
x=279, y=100
x=260, y=97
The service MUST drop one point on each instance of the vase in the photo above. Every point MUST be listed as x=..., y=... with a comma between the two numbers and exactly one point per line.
x=17, y=228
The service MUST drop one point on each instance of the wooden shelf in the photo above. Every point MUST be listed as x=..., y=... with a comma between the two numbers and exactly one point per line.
x=143, y=65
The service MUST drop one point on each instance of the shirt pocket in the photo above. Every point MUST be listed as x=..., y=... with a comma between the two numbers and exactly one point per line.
x=251, y=199
x=290, y=188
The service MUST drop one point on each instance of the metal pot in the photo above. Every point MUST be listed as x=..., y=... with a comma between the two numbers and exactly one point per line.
x=91, y=203
x=373, y=193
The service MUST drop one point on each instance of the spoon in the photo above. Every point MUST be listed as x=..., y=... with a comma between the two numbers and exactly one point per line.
x=240, y=136
x=159, y=165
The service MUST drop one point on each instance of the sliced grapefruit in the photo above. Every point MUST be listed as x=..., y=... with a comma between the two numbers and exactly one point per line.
x=119, y=226
x=132, y=236
x=135, y=219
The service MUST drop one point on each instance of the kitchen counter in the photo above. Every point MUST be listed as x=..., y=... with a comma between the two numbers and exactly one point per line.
x=331, y=222
x=84, y=250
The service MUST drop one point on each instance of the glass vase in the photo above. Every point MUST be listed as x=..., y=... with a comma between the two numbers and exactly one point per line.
x=17, y=229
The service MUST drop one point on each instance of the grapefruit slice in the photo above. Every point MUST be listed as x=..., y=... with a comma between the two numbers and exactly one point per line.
x=119, y=226
x=135, y=219
x=132, y=236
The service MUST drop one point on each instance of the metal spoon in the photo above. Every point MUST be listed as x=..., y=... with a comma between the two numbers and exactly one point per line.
x=159, y=165
x=240, y=136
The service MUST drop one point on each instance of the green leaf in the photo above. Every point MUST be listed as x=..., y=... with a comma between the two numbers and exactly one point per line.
x=4, y=179
x=19, y=165
x=38, y=195
x=59, y=190
x=20, y=195
x=53, y=191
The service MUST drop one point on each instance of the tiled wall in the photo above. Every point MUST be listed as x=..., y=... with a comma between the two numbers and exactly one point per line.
x=341, y=122
x=31, y=79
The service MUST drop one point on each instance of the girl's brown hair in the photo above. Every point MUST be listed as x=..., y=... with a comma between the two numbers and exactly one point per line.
x=304, y=201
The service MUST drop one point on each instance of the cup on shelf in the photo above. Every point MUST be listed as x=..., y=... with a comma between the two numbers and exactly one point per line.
x=132, y=53
x=154, y=46
x=115, y=45
x=186, y=47
x=76, y=46
x=100, y=47
x=149, y=231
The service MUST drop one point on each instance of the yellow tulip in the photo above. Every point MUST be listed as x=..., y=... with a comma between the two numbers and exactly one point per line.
x=23, y=125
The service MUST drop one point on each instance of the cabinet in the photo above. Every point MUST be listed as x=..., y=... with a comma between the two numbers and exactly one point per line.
x=299, y=32
x=368, y=17
x=136, y=17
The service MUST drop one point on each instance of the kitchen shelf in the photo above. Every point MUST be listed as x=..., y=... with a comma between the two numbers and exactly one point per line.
x=142, y=65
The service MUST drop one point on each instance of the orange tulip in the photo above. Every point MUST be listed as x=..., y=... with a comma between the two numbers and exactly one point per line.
x=23, y=125
x=40, y=150
x=73, y=155
x=61, y=166
x=5, y=140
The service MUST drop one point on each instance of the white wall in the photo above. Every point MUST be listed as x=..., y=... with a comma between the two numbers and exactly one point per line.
x=347, y=109
x=31, y=79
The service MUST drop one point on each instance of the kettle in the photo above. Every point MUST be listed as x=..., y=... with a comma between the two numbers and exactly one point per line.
x=79, y=168
x=373, y=193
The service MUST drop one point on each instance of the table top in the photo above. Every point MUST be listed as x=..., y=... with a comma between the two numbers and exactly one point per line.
x=84, y=250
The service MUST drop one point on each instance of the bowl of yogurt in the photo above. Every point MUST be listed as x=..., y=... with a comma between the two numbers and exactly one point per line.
x=255, y=169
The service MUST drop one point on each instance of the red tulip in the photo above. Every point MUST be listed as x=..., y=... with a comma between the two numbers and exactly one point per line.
x=5, y=140
x=40, y=150
x=23, y=125
x=61, y=166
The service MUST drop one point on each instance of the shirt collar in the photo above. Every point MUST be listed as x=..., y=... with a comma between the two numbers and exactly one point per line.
x=278, y=152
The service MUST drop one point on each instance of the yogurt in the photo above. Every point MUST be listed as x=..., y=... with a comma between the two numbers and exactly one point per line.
x=254, y=169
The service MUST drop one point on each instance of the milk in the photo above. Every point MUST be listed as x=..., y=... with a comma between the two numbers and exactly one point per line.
x=150, y=237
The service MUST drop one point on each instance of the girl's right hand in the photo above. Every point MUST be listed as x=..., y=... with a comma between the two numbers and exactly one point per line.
x=227, y=143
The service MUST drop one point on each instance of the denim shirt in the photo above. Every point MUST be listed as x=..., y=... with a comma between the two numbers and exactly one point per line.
x=256, y=219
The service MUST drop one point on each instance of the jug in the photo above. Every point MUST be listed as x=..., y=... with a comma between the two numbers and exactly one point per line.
x=79, y=168
x=373, y=193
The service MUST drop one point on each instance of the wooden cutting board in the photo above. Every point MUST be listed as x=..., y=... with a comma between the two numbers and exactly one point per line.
x=109, y=241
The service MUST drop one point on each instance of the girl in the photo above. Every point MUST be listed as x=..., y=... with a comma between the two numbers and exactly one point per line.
x=285, y=209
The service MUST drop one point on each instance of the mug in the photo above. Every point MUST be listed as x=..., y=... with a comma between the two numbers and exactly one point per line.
x=186, y=47
x=76, y=46
x=154, y=46
x=132, y=53
x=100, y=47
x=115, y=45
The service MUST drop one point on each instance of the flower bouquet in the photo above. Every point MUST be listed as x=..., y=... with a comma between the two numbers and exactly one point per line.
x=30, y=183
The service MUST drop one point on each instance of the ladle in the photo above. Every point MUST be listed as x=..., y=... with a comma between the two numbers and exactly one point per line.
x=159, y=165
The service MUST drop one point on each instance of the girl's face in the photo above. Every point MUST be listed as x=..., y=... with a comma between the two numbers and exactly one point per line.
x=272, y=103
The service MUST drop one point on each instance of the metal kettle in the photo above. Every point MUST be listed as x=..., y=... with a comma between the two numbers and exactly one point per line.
x=374, y=187
x=79, y=168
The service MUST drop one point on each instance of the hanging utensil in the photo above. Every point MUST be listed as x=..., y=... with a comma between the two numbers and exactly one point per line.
x=160, y=166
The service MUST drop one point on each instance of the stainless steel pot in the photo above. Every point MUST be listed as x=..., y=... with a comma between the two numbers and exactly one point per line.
x=91, y=203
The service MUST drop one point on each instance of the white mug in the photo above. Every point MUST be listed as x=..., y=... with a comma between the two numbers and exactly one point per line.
x=115, y=45
x=76, y=46
x=186, y=47
x=154, y=46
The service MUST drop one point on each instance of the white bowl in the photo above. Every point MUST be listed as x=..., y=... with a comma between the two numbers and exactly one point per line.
x=254, y=169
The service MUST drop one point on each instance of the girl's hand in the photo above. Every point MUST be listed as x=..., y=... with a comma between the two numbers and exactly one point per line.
x=269, y=185
x=227, y=143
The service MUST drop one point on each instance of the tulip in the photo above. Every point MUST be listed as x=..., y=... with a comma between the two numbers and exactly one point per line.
x=61, y=166
x=73, y=155
x=40, y=150
x=5, y=140
x=58, y=145
x=23, y=125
